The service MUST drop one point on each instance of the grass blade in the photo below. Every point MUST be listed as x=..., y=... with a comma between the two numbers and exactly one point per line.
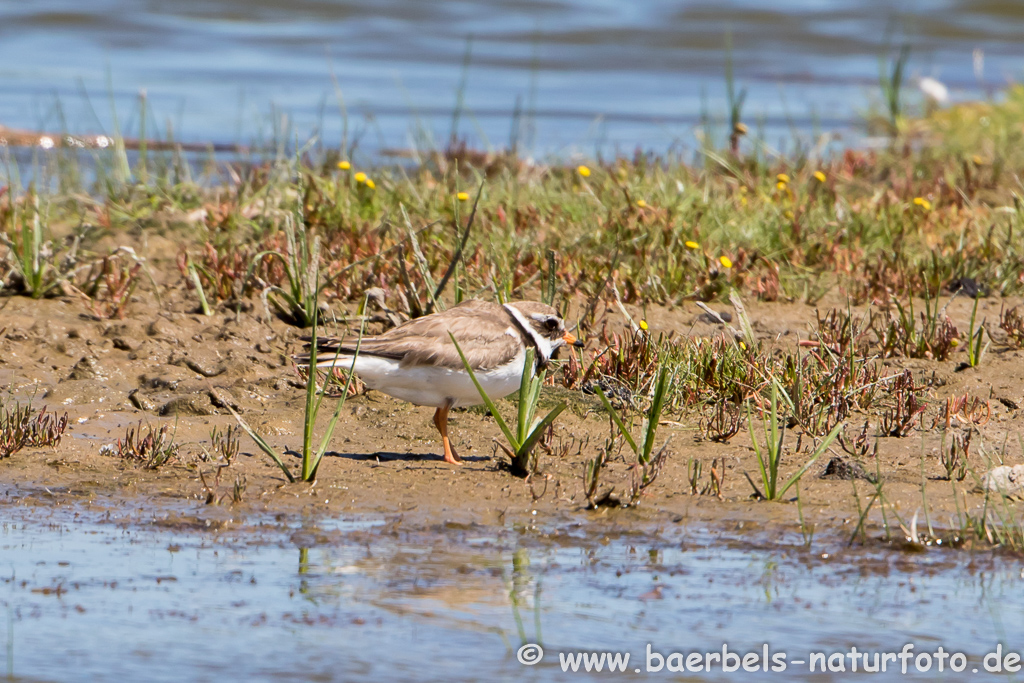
x=264, y=446
x=757, y=452
x=341, y=401
x=538, y=430
x=654, y=416
x=526, y=385
x=312, y=405
x=818, y=452
x=617, y=419
x=487, y=399
x=457, y=256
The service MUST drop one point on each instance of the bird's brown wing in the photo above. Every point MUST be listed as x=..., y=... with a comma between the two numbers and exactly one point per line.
x=481, y=328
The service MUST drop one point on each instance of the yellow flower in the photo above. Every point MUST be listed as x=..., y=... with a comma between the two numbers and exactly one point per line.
x=344, y=165
x=923, y=203
x=360, y=177
x=782, y=178
x=643, y=325
x=583, y=171
x=690, y=244
x=641, y=203
x=781, y=185
x=743, y=346
x=819, y=176
x=462, y=196
x=725, y=261
x=370, y=184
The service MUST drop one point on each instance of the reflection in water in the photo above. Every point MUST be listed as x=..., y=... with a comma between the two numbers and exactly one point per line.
x=366, y=601
x=520, y=597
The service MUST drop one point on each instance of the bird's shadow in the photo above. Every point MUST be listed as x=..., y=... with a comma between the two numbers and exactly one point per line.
x=389, y=456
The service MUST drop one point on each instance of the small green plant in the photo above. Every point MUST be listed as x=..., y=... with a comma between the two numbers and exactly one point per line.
x=694, y=468
x=956, y=458
x=21, y=427
x=214, y=497
x=864, y=510
x=225, y=444
x=936, y=338
x=975, y=336
x=899, y=419
x=997, y=522
x=1012, y=322
x=310, y=307
x=193, y=276
x=648, y=464
x=151, y=451
x=722, y=424
x=737, y=128
x=301, y=261
x=35, y=271
x=109, y=284
x=310, y=458
x=890, y=80
x=592, y=478
x=645, y=448
x=529, y=430
x=770, y=458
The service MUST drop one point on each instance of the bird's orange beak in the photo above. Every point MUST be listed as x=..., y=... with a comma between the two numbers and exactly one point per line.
x=571, y=340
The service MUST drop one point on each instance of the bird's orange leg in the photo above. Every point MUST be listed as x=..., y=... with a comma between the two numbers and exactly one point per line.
x=441, y=422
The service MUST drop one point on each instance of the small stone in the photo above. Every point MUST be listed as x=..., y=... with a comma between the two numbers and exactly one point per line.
x=188, y=405
x=619, y=396
x=205, y=371
x=1006, y=480
x=85, y=392
x=86, y=368
x=846, y=469
x=968, y=286
x=166, y=377
x=1009, y=402
x=140, y=401
x=44, y=330
x=125, y=330
x=158, y=328
x=223, y=399
x=708, y=318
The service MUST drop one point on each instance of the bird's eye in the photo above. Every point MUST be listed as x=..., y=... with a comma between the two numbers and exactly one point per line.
x=551, y=324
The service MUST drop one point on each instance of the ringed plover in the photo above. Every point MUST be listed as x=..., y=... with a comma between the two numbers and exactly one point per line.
x=417, y=362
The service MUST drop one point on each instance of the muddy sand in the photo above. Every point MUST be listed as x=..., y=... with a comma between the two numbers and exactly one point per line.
x=164, y=364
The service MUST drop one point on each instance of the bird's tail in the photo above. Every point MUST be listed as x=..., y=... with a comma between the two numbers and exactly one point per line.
x=329, y=354
x=333, y=359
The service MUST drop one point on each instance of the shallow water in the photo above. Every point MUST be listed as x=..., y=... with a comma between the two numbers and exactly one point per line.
x=164, y=598
x=587, y=76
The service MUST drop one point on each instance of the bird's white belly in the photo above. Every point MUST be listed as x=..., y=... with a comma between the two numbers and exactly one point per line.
x=428, y=385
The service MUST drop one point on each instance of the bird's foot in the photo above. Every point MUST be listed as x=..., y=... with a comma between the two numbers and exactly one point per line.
x=450, y=454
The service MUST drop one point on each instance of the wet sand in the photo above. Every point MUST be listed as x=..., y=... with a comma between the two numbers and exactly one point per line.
x=165, y=364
